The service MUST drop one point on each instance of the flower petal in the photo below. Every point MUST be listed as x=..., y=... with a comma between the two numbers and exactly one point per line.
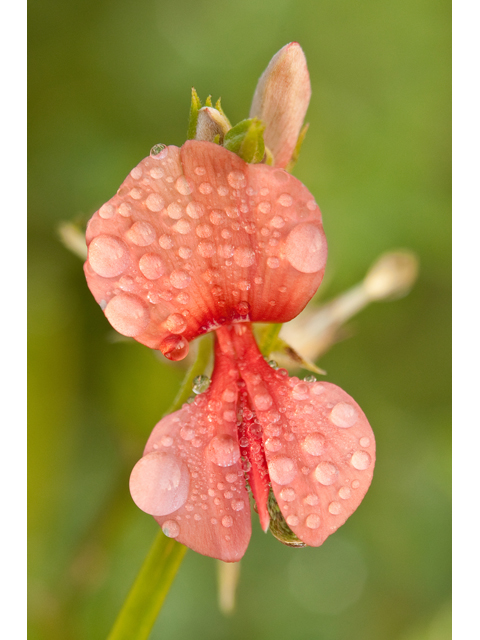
x=195, y=238
x=319, y=446
x=191, y=478
x=281, y=101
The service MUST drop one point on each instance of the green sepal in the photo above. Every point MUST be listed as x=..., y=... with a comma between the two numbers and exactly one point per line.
x=298, y=146
x=246, y=140
x=218, y=107
x=208, y=102
x=278, y=526
x=195, y=107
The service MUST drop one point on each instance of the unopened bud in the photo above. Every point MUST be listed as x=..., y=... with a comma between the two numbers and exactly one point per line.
x=211, y=123
x=392, y=276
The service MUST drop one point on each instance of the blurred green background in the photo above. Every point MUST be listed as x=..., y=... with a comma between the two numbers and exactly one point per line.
x=107, y=81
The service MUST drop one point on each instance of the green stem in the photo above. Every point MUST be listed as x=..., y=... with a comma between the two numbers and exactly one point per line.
x=143, y=604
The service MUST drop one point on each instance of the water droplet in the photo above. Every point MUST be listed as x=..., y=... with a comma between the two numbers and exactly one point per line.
x=125, y=210
x=237, y=505
x=277, y=222
x=127, y=314
x=335, y=508
x=273, y=262
x=355, y=484
x=300, y=391
x=292, y=520
x=183, y=226
x=182, y=186
x=159, y=483
x=154, y=202
x=187, y=433
x=206, y=249
x=229, y=416
x=285, y=200
x=223, y=451
x=344, y=493
x=174, y=347
x=264, y=207
x=205, y=188
x=141, y=234
x=175, y=323
x=361, y=460
x=236, y=179
x=326, y=473
x=195, y=210
x=200, y=384
x=156, y=173
x=273, y=444
x=317, y=389
x=288, y=494
x=262, y=401
x=306, y=248
x=343, y=415
x=227, y=521
x=312, y=499
x=106, y=211
x=244, y=256
x=108, y=256
x=179, y=279
x=310, y=379
x=175, y=211
x=151, y=266
x=364, y=442
x=166, y=441
x=313, y=521
x=165, y=242
x=170, y=528
x=222, y=191
x=282, y=470
x=204, y=231
x=314, y=444
x=136, y=194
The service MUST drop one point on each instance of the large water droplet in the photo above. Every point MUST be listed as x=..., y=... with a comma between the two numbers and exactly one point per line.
x=171, y=528
x=154, y=202
x=326, y=473
x=343, y=415
x=159, y=483
x=151, y=265
x=282, y=470
x=306, y=248
x=195, y=210
x=108, y=256
x=223, y=451
x=127, y=314
x=200, y=384
x=361, y=460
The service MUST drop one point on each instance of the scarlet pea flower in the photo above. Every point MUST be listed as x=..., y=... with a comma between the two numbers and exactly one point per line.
x=197, y=239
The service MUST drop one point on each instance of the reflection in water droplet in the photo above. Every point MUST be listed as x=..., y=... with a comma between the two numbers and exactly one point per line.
x=223, y=451
x=361, y=460
x=200, y=384
x=343, y=415
x=159, y=151
x=174, y=347
x=159, y=483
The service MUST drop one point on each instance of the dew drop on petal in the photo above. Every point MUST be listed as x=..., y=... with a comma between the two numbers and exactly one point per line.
x=285, y=200
x=179, y=279
x=273, y=444
x=205, y=188
x=223, y=451
x=106, y=211
x=288, y=494
x=141, y=234
x=174, y=347
x=236, y=179
x=262, y=401
x=343, y=415
x=313, y=444
x=127, y=314
x=282, y=469
x=365, y=441
x=344, y=493
x=165, y=241
x=227, y=521
x=151, y=266
x=313, y=521
x=335, y=508
x=108, y=256
x=171, y=528
x=237, y=505
x=125, y=210
x=306, y=248
x=195, y=210
x=159, y=151
x=273, y=262
x=312, y=499
x=154, y=202
x=361, y=460
x=355, y=484
x=326, y=473
x=292, y=520
x=175, y=211
x=159, y=483
x=206, y=249
x=244, y=256
x=300, y=391
x=175, y=323
x=182, y=186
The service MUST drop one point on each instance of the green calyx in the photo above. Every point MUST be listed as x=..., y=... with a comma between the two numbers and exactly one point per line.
x=245, y=139
x=278, y=526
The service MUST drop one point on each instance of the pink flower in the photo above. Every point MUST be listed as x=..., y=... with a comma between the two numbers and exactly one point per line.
x=197, y=240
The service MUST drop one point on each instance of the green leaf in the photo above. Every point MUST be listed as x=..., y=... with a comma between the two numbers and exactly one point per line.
x=298, y=146
x=246, y=140
x=195, y=107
